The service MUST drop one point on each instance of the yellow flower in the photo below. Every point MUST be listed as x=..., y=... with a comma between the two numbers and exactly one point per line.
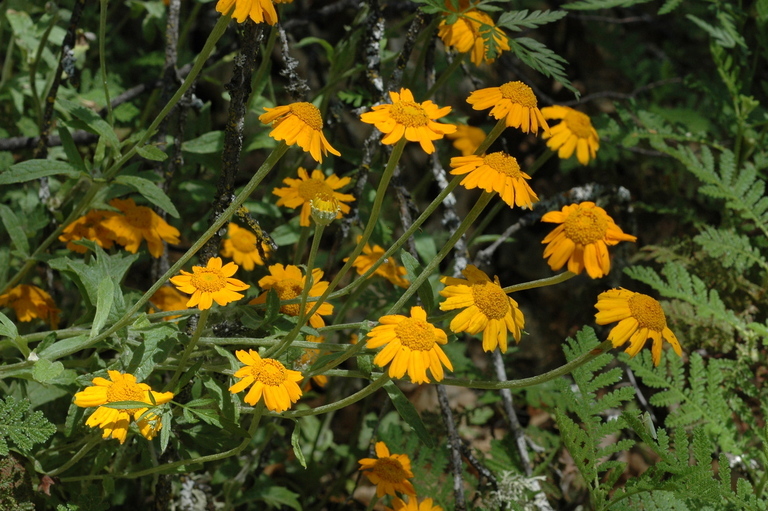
x=515, y=102
x=487, y=308
x=389, y=472
x=640, y=318
x=260, y=11
x=324, y=209
x=270, y=379
x=210, y=283
x=29, y=302
x=300, y=124
x=309, y=357
x=412, y=345
x=139, y=223
x=466, y=34
x=89, y=227
x=406, y=118
x=301, y=191
x=498, y=172
x=122, y=387
x=240, y=246
x=399, y=504
x=288, y=281
x=467, y=139
x=573, y=133
x=168, y=299
x=582, y=239
x=389, y=269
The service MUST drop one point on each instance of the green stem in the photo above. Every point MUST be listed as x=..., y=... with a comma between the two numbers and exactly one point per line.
x=103, y=59
x=301, y=244
x=265, y=60
x=342, y=403
x=447, y=72
x=491, y=137
x=549, y=281
x=95, y=439
x=181, y=367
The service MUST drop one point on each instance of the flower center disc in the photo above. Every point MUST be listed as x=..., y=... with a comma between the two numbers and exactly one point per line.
x=579, y=124
x=415, y=334
x=308, y=113
x=491, y=300
x=125, y=391
x=287, y=290
x=244, y=241
x=139, y=217
x=518, y=92
x=503, y=163
x=409, y=114
x=585, y=226
x=269, y=372
x=647, y=312
x=312, y=188
x=207, y=280
x=390, y=470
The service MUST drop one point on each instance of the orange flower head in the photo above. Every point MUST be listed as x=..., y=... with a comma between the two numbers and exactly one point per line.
x=513, y=101
x=210, y=283
x=29, y=302
x=574, y=133
x=389, y=472
x=138, y=223
x=302, y=191
x=497, y=172
x=299, y=124
x=241, y=246
x=268, y=378
x=288, y=281
x=260, y=11
x=89, y=227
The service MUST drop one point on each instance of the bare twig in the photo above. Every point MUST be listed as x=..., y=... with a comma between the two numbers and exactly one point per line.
x=405, y=54
x=455, y=447
x=297, y=87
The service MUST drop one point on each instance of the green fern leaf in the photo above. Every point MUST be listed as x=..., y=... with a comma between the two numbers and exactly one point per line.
x=730, y=249
x=21, y=427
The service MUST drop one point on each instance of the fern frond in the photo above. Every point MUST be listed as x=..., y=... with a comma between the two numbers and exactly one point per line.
x=540, y=58
x=669, y=6
x=21, y=427
x=731, y=250
x=518, y=20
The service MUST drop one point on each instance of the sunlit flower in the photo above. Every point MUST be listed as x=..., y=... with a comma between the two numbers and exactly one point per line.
x=115, y=422
x=388, y=269
x=324, y=208
x=406, y=118
x=498, y=172
x=270, y=379
x=288, y=281
x=582, y=239
x=168, y=299
x=389, y=472
x=466, y=34
x=89, y=227
x=573, y=133
x=260, y=11
x=299, y=124
x=467, y=138
x=29, y=302
x=487, y=308
x=309, y=357
x=399, y=504
x=515, y=102
x=241, y=246
x=139, y=223
x=640, y=318
x=412, y=345
x=301, y=192
x=210, y=283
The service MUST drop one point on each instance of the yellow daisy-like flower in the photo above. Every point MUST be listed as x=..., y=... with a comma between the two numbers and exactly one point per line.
x=210, y=283
x=270, y=379
x=301, y=192
x=389, y=472
x=406, y=118
x=640, y=318
x=168, y=299
x=573, y=133
x=498, y=172
x=122, y=387
x=260, y=11
x=388, y=269
x=467, y=139
x=582, y=239
x=487, y=308
x=29, y=302
x=288, y=281
x=515, y=102
x=300, y=124
x=399, y=504
x=139, y=223
x=240, y=246
x=412, y=345
x=466, y=34
x=309, y=357
x=89, y=227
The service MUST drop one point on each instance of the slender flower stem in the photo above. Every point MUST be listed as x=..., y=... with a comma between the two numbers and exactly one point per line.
x=181, y=367
x=501, y=125
x=549, y=281
x=341, y=403
x=447, y=72
x=92, y=441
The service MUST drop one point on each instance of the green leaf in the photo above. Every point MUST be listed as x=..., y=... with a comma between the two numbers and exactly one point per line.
x=45, y=371
x=211, y=142
x=591, y=5
x=105, y=296
x=329, y=50
x=21, y=427
x=8, y=327
x=13, y=226
x=518, y=20
x=295, y=437
x=127, y=405
x=424, y=291
x=151, y=192
x=277, y=496
x=35, y=169
x=70, y=148
x=151, y=152
x=92, y=120
x=409, y=413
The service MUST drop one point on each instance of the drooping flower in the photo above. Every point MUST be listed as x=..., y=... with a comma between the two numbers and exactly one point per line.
x=515, y=102
x=412, y=345
x=269, y=379
x=260, y=11
x=640, y=318
x=309, y=357
x=210, y=283
x=467, y=138
x=389, y=472
x=301, y=192
x=582, y=239
x=498, y=172
x=29, y=302
x=388, y=269
x=139, y=223
x=399, y=504
x=241, y=246
x=574, y=133
x=89, y=227
x=407, y=118
x=288, y=281
x=168, y=299
x=115, y=422
x=300, y=124
x=466, y=34
x=487, y=308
